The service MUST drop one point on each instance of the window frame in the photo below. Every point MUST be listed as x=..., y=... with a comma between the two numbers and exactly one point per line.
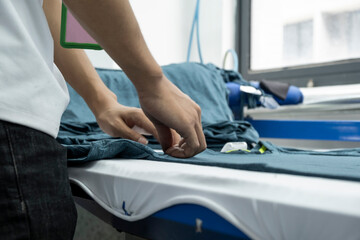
x=320, y=74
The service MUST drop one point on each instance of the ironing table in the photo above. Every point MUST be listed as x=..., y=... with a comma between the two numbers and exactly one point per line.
x=171, y=200
x=161, y=200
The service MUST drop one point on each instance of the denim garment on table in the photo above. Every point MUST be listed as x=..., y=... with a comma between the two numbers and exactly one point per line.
x=204, y=84
x=339, y=164
x=85, y=141
x=81, y=138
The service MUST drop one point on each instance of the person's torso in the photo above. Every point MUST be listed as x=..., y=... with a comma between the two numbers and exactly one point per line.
x=33, y=92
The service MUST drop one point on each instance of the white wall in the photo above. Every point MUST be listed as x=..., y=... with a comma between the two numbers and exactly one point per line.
x=166, y=26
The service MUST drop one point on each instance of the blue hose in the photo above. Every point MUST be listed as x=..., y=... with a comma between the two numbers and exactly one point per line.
x=195, y=23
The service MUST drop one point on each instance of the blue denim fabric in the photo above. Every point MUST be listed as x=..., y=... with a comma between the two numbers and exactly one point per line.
x=35, y=196
x=219, y=133
x=86, y=141
x=338, y=164
x=203, y=83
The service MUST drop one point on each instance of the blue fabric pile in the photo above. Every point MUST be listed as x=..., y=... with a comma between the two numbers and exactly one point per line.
x=205, y=84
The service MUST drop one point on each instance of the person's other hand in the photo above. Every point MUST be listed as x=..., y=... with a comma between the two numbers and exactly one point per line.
x=118, y=121
x=169, y=108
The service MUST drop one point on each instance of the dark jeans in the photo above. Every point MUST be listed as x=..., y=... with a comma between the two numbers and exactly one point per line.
x=35, y=196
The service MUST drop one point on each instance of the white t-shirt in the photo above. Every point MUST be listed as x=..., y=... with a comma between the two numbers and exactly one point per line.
x=33, y=92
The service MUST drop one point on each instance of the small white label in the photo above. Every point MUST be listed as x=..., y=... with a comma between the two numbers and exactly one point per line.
x=232, y=146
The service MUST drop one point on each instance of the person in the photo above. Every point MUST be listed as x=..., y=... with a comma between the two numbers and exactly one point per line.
x=35, y=197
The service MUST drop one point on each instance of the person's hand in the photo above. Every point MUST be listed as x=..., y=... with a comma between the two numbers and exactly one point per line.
x=119, y=121
x=169, y=108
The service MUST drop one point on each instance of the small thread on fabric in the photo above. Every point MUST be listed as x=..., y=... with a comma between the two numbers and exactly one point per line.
x=126, y=212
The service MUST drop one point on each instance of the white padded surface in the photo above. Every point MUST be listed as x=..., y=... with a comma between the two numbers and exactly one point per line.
x=262, y=205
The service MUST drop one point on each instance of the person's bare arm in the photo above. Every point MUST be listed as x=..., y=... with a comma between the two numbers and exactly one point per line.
x=112, y=23
x=113, y=118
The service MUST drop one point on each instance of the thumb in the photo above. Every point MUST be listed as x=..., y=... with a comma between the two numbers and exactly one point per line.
x=131, y=134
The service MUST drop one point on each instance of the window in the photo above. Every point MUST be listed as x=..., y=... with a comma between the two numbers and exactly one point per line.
x=343, y=31
x=300, y=41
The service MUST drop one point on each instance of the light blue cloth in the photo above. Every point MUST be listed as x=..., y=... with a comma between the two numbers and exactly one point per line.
x=203, y=83
x=333, y=164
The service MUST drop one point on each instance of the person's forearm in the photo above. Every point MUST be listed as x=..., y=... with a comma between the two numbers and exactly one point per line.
x=166, y=112
x=112, y=23
x=75, y=65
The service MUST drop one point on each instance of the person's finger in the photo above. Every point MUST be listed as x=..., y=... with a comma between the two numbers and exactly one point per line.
x=201, y=138
x=165, y=136
x=176, y=151
x=199, y=131
x=181, y=142
x=122, y=130
x=176, y=137
x=191, y=142
x=143, y=122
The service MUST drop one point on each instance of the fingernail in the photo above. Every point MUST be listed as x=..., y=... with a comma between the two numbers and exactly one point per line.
x=143, y=140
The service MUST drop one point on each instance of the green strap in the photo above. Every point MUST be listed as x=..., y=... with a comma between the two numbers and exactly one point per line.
x=65, y=44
